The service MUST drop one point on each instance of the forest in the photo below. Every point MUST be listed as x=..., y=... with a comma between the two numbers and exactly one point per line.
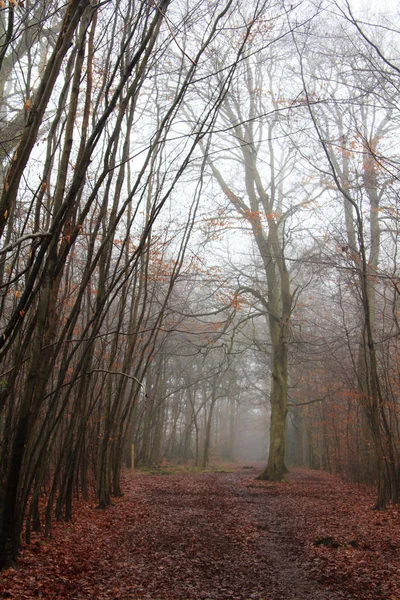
x=199, y=222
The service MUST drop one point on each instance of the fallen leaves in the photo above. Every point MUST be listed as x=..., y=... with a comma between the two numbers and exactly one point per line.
x=218, y=536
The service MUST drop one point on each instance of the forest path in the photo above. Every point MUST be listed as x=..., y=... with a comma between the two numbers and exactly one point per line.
x=219, y=536
x=215, y=536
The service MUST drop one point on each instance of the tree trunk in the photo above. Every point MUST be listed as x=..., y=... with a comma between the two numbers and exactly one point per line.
x=276, y=468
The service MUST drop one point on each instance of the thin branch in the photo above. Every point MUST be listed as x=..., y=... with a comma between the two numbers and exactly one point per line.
x=115, y=373
x=28, y=236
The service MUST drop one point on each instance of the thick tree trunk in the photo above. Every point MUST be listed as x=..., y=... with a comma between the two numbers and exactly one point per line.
x=10, y=531
x=276, y=468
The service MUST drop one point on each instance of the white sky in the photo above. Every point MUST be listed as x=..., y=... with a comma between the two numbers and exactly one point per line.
x=372, y=6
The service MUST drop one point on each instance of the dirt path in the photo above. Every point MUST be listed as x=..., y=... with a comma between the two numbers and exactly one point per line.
x=219, y=536
x=219, y=539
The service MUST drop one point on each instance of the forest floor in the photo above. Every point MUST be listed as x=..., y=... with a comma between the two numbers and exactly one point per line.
x=219, y=535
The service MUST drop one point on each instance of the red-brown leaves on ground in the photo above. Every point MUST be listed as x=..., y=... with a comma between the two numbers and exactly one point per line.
x=219, y=536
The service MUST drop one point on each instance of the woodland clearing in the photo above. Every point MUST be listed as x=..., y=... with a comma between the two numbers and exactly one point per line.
x=218, y=535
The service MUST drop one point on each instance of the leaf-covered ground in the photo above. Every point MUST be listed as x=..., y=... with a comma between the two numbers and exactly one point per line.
x=218, y=536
